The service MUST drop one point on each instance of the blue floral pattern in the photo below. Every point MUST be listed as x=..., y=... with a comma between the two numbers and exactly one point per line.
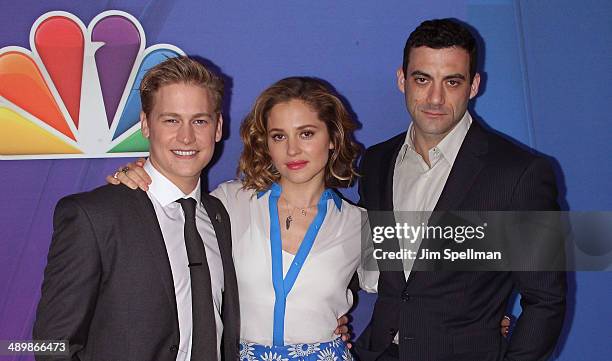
x=335, y=350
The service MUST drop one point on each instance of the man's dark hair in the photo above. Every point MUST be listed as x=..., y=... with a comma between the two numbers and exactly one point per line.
x=440, y=34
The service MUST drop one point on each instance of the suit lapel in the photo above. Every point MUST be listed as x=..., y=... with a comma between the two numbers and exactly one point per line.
x=465, y=170
x=222, y=232
x=386, y=203
x=388, y=167
x=147, y=219
x=231, y=310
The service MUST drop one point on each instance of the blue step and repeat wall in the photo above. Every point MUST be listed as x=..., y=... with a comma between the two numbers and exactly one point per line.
x=547, y=68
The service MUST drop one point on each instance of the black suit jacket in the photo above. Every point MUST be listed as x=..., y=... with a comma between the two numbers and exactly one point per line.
x=108, y=287
x=456, y=315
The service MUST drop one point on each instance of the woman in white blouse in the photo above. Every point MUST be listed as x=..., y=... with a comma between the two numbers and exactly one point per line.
x=296, y=243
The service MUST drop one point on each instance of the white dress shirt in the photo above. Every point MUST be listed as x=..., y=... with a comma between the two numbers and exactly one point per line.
x=163, y=194
x=319, y=296
x=418, y=186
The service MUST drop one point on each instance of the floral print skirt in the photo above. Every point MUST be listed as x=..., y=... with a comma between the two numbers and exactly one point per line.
x=334, y=350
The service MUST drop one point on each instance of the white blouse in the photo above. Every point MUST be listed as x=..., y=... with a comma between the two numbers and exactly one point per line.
x=319, y=295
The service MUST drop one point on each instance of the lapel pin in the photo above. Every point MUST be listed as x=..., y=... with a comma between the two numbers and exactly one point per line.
x=218, y=217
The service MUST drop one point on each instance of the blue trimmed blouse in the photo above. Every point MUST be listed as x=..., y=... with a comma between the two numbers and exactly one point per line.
x=286, y=298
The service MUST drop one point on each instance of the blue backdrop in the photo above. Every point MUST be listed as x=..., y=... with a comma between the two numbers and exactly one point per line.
x=547, y=84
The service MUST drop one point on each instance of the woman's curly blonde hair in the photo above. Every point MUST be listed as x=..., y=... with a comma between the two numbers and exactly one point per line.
x=255, y=167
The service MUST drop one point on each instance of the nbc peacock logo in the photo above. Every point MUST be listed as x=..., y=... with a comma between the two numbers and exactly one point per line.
x=75, y=93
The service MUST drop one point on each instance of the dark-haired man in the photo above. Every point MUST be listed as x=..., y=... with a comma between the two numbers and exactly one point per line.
x=448, y=161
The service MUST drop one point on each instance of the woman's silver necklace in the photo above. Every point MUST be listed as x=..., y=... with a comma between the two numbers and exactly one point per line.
x=291, y=208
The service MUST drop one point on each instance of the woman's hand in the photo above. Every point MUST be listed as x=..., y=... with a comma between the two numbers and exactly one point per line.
x=343, y=330
x=132, y=175
x=505, y=325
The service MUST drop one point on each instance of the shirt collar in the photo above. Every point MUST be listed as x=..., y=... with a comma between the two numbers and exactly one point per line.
x=275, y=190
x=164, y=190
x=450, y=144
x=408, y=143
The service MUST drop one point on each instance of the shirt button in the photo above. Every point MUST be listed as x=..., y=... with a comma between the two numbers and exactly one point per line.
x=174, y=348
x=405, y=297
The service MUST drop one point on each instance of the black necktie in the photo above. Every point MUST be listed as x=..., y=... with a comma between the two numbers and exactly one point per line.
x=204, y=336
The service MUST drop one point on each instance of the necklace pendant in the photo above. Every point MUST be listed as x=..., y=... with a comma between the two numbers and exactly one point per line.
x=288, y=221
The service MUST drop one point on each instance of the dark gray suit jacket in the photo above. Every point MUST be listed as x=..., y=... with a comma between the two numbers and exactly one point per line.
x=108, y=286
x=455, y=315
